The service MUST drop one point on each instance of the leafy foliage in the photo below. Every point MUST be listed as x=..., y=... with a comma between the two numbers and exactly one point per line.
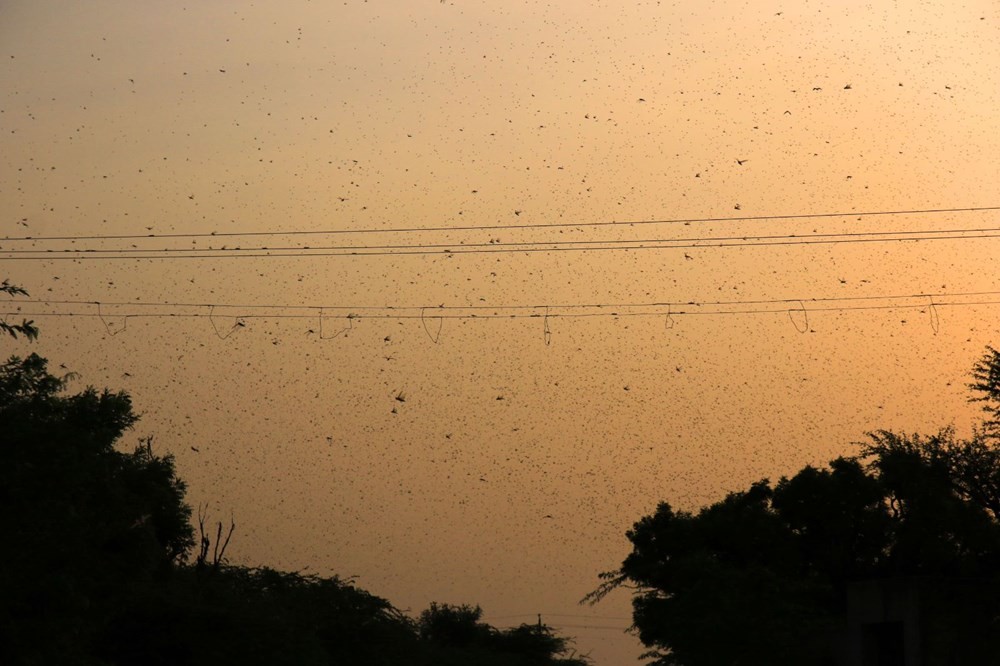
x=986, y=384
x=84, y=522
x=94, y=569
x=772, y=564
x=456, y=636
x=244, y=615
x=27, y=327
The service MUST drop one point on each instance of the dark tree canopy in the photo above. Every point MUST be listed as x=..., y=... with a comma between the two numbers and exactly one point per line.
x=83, y=521
x=26, y=328
x=986, y=384
x=94, y=568
x=763, y=576
x=456, y=636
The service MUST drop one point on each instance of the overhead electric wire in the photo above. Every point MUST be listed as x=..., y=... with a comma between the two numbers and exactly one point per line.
x=357, y=308
x=590, y=626
x=543, y=614
x=658, y=309
x=698, y=241
x=553, y=315
x=483, y=248
x=495, y=227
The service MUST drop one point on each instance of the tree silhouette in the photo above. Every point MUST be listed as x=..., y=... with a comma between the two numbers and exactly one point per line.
x=259, y=616
x=986, y=373
x=456, y=636
x=26, y=328
x=764, y=575
x=84, y=522
x=94, y=565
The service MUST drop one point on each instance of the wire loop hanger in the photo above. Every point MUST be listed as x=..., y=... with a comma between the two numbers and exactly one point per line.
x=805, y=314
x=935, y=320
x=111, y=332
x=344, y=331
x=238, y=324
x=433, y=336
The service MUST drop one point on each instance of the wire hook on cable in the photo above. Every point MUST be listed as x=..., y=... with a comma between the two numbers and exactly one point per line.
x=111, y=332
x=239, y=324
x=433, y=336
x=935, y=320
x=344, y=331
x=805, y=314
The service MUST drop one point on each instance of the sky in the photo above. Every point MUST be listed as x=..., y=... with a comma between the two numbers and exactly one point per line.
x=446, y=295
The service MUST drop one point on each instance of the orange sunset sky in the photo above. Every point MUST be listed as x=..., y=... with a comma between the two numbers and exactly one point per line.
x=518, y=271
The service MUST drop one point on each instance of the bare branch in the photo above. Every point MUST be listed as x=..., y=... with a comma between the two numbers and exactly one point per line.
x=222, y=551
x=204, y=541
x=612, y=580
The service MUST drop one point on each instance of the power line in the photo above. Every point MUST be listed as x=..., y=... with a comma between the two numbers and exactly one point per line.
x=560, y=306
x=742, y=239
x=578, y=616
x=494, y=248
x=560, y=626
x=652, y=309
x=623, y=630
x=590, y=626
x=495, y=227
x=432, y=316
